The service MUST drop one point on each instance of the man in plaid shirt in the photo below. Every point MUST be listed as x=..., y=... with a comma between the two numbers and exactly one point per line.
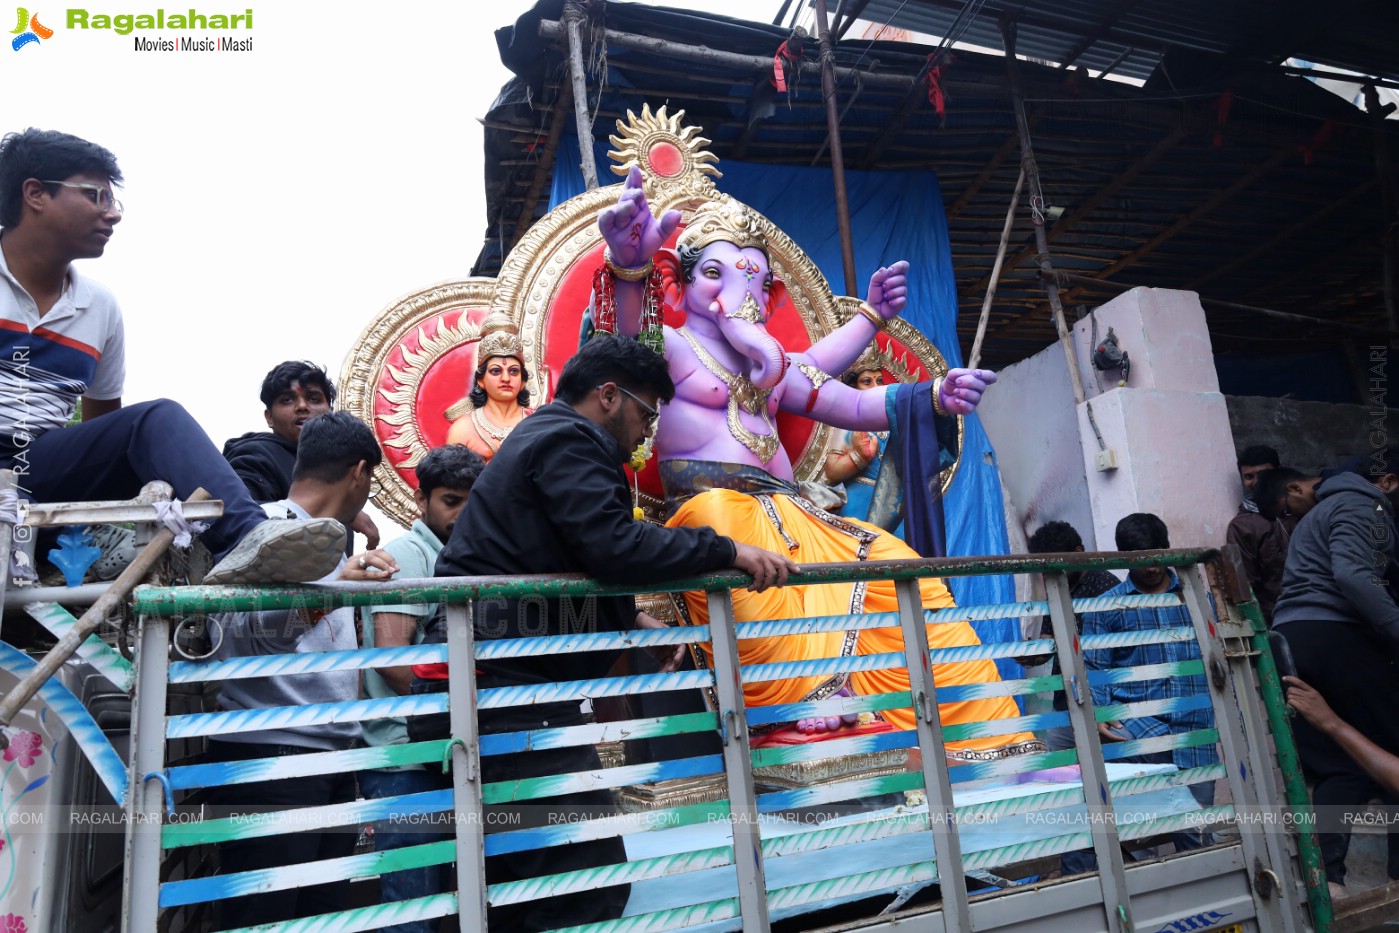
x=1143, y=531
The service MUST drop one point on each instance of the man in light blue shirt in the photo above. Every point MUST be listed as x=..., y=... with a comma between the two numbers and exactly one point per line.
x=445, y=478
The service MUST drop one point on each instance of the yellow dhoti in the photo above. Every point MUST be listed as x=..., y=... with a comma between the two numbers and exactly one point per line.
x=777, y=521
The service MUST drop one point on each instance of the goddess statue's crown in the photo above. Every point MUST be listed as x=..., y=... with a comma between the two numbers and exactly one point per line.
x=500, y=336
x=724, y=221
x=868, y=361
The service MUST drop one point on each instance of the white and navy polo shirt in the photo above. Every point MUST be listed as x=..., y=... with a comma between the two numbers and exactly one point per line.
x=46, y=365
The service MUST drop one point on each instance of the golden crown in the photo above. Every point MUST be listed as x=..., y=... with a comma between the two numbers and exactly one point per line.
x=724, y=222
x=500, y=336
x=871, y=359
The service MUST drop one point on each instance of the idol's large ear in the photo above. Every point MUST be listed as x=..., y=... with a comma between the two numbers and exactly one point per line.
x=672, y=278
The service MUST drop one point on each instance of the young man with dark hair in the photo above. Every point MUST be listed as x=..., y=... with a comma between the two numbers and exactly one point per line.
x=555, y=500
x=1262, y=541
x=445, y=477
x=292, y=393
x=334, y=460
x=1285, y=493
x=1143, y=531
x=1339, y=616
x=1063, y=538
x=62, y=340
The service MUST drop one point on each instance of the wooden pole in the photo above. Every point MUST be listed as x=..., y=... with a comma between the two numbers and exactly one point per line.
x=1032, y=174
x=573, y=16
x=121, y=587
x=995, y=272
x=1389, y=231
x=828, y=92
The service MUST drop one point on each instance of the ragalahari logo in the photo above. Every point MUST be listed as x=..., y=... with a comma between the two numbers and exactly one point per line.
x=28, y=30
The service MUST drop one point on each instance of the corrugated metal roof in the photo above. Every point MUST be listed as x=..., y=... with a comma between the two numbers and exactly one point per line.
x=1352, y=34
x=1220, y=176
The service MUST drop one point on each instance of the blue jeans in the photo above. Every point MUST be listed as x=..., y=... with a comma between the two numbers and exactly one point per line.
x=113, y=456
x=393, y=834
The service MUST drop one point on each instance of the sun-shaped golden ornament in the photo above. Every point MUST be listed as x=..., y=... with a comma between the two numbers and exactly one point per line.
x=671, y=156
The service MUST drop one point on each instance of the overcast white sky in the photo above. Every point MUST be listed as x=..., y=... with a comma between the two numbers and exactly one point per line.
x=276, y=199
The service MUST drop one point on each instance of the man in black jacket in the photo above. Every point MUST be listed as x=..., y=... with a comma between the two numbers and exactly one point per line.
x=555, y=500
x=1339, y=615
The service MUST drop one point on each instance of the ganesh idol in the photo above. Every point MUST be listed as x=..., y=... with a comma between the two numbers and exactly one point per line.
x=721, y=463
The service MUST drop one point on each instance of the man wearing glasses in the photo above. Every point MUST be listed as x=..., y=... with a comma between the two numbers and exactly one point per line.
x=554, y=500
x=61, y=340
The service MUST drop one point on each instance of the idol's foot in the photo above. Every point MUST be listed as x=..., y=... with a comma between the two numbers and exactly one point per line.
x=823, y=724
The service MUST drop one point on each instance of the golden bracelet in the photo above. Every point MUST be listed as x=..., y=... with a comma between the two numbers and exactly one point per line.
x=873, y=316
x=622, y=272
x=937, y=397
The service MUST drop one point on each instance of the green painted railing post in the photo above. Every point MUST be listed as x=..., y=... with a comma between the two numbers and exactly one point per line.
x=1294, y=786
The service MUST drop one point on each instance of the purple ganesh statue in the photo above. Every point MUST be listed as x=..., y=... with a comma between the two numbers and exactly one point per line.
x=722, y=465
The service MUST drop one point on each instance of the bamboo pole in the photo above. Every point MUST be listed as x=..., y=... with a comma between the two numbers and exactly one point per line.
x=121, y=587
x=573, y=16
x=828, y=93
x=995, y=273
x=1389, y=223
x=1032, y=173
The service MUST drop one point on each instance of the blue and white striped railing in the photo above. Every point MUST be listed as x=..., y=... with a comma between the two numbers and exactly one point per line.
x=703, y=855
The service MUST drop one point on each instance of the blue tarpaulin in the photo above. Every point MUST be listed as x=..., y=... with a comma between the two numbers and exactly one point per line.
x=893, y=216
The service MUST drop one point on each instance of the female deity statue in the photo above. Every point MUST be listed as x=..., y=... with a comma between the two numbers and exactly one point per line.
x=722, y=465
x=499, y=398
x=854, y=462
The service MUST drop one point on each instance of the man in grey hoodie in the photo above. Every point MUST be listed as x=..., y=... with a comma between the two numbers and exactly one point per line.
x=1339, y=615
x=334, y=460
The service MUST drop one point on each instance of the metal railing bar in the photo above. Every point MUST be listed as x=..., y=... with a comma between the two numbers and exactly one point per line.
x=460, y=590
x=1161, y=743
x=218, y=774
x=360, y=919
x=190, y=725
x=1165, y=671
x=555, y=785
x=587, y=879
x=789, y=712
x=1019, y=764
x=312, y=662
x=492, y=649
x=621, y=824
x=526, y=694
x=839, y=791
x=832, y=748
x=504, y=743
x=304, y=874
x=866, y=883
x=664, y=920
x=329, y=816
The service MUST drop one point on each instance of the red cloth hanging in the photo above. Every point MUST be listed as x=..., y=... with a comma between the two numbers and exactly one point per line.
x=1319, y=139
x=936, y=97
x=779, y=76
x=1221, y=116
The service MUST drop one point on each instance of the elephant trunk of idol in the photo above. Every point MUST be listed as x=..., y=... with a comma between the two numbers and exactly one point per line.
x=747, y=335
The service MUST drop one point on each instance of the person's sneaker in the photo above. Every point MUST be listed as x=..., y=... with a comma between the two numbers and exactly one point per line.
x=282, y=551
